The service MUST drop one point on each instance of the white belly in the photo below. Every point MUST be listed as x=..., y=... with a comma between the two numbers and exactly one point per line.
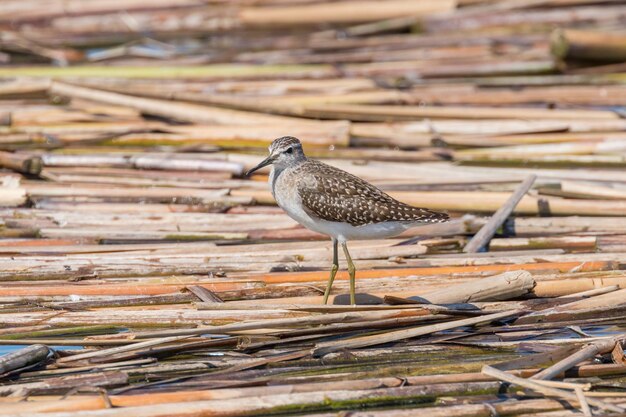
x=288, y=199
x=345, y=231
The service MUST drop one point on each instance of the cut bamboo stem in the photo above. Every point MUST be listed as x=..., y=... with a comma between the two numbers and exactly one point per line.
x=588, y=45
x=23, y=357
x=30, y=165
x=500, y=287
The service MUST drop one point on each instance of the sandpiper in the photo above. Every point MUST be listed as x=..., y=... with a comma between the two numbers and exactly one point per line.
x=333, y=202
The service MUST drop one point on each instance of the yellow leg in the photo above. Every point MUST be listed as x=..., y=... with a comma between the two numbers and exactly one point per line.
x=333, y=271
x=351, y=271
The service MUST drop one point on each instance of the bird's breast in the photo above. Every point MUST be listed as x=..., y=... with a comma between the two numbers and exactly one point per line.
x=284, y=189
x=284, y=185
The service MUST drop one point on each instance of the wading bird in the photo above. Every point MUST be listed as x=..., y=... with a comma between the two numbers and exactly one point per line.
x=333, y=202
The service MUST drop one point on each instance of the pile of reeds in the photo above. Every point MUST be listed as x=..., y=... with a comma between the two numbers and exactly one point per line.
x=142, y=274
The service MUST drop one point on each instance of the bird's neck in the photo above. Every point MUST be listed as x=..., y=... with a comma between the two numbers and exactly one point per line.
x=279, y=169
x=274, y=174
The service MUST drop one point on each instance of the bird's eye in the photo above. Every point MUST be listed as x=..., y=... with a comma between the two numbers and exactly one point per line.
x=289, y=150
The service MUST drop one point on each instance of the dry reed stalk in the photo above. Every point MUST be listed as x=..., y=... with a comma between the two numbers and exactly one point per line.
x=572, y=243
x=561, y=225
x=585, y=191
x=15, y=42
x=96, y=171
x=537, y=17
x=585, y=353
x=266, y=403
x=484, y=68
x=162, y=193
x=27, y=11
x=122, y=349
x=178, y=111
x=378, y=339
x=312, y=308
x=286, y=86
x=287, y=106
x=128, y=181
x=91, y=402
x=174, y=162
x=551, y=392
x=281, y=323
x=471, y=94
x=23, y=86
x=22, y=119
x=85, y=403
x=61, y=384
x=64, y=342
x=318, y=134
x=387, y=113
x=599, y=302
x=341, y=12
x=13, y=330
x=305, y=251
x=259, y=281
x=583, y=402
x=612, y=161
x=408, y=287
x=465, y=201
x=36, y=243
x=217, y=71
x=484, y=235
x=491, y=201
x=400, y=272
x=564, y=149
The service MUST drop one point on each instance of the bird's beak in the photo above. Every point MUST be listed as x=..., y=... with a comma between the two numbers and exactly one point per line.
x=267, y=161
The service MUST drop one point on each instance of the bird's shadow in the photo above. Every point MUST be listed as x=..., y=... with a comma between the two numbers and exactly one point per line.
x=369, y=299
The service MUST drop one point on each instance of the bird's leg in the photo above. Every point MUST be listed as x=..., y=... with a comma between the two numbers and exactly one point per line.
x=333, y=271
x=351, y=271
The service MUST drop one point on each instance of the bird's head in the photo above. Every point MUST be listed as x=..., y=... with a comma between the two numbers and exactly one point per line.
x=284, y=152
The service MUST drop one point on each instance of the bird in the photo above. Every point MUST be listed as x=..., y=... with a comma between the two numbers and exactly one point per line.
x=336, y=203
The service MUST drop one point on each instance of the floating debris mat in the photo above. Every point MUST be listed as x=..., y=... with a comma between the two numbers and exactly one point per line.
x=143, y=274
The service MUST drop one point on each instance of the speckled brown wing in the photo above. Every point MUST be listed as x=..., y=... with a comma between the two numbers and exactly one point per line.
x=335, y=195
